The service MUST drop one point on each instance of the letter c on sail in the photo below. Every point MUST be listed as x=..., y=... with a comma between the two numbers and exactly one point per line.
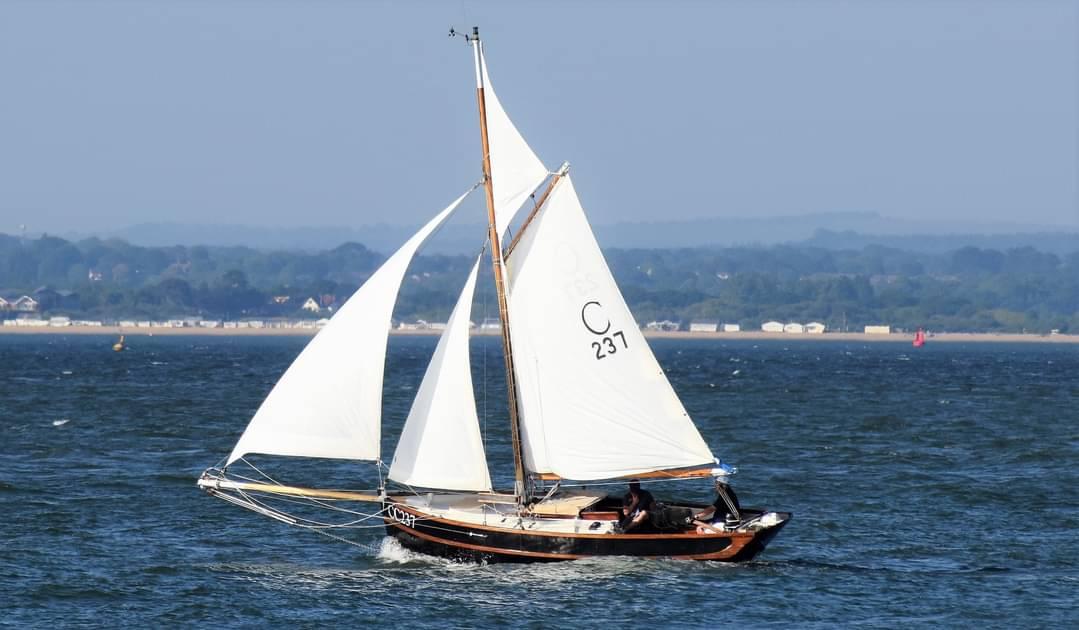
x=584, y=319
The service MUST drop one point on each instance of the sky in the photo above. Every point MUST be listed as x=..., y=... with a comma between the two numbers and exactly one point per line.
x=289, y=114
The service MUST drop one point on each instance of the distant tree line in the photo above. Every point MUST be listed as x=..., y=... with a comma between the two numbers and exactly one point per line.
x=967, y=289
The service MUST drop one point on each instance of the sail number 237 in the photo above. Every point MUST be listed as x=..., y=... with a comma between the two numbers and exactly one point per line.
x=609, y=342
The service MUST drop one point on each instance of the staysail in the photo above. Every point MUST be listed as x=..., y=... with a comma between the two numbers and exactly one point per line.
x=441, y=446
x=515, y=170
x=594, y=402
x=329, y=401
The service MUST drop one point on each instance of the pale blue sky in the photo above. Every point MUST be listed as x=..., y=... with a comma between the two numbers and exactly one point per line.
x=351, y=113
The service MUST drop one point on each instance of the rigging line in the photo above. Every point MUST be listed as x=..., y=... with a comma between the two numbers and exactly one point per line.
x=256, y=469
x=249, y=505
x=443, y=224
x=296, y=520
x=292, y=519
x=367, y=548
x=315, y=502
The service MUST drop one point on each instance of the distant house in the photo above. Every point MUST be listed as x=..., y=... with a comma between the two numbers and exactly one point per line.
x=878, y=330
x=665, y=325
x=312, y=306
x=772, y=326
x=94, y=275
x=436, y=325
x=4, y=305
x=728, y=328
x=281, y=299
x=815, y=328
x=794, y=328
x=491, y=324
x=48, y=298
x=704, y=326
x=25, y=304
x=59, y=321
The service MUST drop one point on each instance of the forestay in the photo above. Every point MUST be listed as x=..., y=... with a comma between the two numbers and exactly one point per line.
x=329, y=401
x=441, y=446
x=594, y=402
x=516, y=172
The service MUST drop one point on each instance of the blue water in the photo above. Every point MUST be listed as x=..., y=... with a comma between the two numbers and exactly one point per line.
x=930, y=487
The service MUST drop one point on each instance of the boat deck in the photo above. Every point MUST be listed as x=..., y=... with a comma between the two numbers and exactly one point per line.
x=559, y=513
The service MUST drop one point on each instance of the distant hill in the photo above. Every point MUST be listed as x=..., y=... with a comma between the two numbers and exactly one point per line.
x=382, y=237
x=1058, y=242
x=838, y=230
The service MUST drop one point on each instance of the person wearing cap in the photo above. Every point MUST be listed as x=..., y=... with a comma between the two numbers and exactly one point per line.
x=635, y=506
x=725, y=509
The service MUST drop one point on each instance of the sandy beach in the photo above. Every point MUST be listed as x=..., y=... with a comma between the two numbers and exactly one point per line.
x=949, y=337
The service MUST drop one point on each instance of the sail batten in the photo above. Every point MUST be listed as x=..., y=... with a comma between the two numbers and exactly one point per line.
x=595, y=403
x=329, y=401
x=440, y=445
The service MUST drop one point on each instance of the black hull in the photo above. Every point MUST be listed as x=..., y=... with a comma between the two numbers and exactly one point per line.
x=476, y=543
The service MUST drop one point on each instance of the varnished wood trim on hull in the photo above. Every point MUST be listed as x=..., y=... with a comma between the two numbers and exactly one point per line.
x=462, y=541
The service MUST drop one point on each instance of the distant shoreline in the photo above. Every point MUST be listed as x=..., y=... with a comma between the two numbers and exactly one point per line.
x=950, y=337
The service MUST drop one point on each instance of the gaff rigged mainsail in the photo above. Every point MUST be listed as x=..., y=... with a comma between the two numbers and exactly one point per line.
x=594, y=402
x=329, y=401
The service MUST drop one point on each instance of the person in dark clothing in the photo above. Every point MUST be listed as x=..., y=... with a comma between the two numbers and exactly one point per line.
x=725, y=509
x=635, y=506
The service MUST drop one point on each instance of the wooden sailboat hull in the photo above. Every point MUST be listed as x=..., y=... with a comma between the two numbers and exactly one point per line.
x=457, y=540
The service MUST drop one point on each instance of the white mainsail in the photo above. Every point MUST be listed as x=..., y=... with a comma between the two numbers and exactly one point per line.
x=440, y=445
x=594, y=402
x=329, y=401
x=516, y=172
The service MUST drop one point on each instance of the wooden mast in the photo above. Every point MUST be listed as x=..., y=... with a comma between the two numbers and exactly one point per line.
x=520, y=490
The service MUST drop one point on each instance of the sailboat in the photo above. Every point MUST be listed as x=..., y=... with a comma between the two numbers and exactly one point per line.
x=919, y=338
x=589, y=406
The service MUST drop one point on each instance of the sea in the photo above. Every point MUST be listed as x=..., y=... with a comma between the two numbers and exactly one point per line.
x=931, y=487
